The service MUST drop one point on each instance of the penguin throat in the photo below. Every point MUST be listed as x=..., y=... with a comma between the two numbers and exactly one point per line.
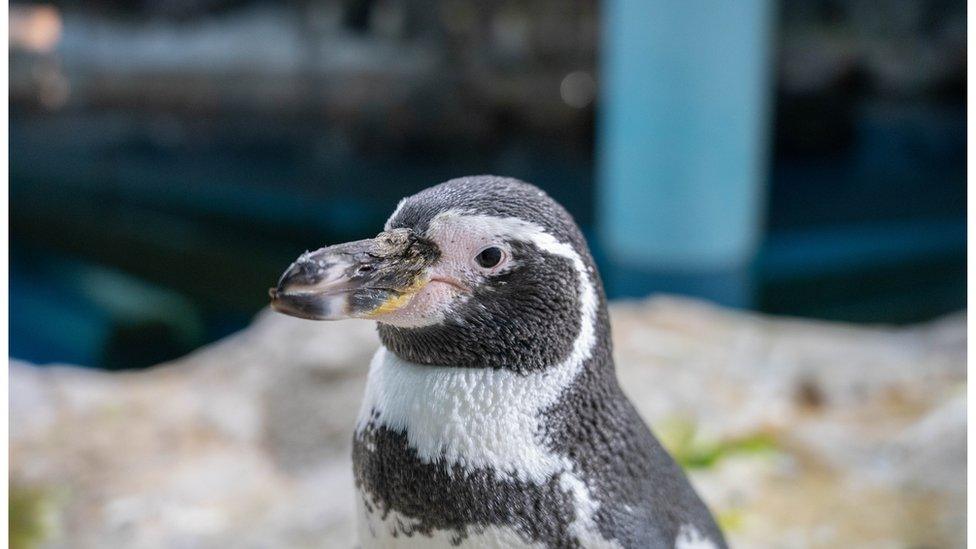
x=521, y=343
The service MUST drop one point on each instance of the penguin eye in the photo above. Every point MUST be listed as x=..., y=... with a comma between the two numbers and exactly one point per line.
x=489, y=257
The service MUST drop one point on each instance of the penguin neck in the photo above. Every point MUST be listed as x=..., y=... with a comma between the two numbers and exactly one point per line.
x=479, y=418
x=498, y=346
x=456, y=347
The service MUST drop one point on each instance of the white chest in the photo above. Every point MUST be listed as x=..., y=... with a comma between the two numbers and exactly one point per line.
x=477, y=418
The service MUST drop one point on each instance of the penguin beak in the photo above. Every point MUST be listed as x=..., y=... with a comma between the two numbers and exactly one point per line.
x=361, y=279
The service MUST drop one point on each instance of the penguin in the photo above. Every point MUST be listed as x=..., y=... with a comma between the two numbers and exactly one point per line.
x=492, y=415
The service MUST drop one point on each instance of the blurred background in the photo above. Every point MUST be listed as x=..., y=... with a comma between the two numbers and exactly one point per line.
x=735, y=161
x=168, y=159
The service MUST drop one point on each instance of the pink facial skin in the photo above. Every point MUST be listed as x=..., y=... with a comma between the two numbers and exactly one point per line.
x=456, y=273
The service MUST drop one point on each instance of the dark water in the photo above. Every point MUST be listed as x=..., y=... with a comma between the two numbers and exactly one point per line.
x=137, y=237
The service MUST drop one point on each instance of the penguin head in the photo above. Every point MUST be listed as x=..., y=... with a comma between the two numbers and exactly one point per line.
x=478, y=271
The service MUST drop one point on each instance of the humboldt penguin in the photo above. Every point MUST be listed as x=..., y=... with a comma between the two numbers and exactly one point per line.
x=492, y=415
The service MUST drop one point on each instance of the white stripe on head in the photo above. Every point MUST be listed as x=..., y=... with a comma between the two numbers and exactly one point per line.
x=389, y=221
x=460, y=236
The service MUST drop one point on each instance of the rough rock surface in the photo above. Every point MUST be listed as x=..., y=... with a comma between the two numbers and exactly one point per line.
x=797, y=433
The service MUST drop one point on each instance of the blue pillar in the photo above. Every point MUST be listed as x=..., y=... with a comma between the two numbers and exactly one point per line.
x=683, y=138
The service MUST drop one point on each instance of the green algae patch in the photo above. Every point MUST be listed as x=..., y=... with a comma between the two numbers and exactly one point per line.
x=28, y=512
x=692, y=451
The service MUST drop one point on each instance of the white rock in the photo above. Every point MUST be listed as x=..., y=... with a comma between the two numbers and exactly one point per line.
x=245, y=443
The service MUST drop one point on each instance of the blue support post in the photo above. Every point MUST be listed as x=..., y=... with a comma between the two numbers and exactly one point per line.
x=683, y=134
